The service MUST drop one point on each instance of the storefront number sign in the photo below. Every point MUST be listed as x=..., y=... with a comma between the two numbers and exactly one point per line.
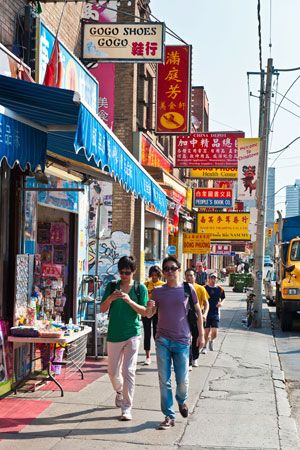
x=230, y=226
x=196, y=243
x=207, y=150
x=216, y=198
x=173, y=91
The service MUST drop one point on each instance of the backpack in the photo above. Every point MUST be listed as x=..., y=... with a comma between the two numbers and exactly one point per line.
x=191, y=315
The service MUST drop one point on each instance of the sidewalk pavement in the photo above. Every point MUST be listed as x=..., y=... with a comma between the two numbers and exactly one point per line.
x=237, y=400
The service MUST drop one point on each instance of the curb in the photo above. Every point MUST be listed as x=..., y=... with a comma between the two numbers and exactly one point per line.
x=287, y=429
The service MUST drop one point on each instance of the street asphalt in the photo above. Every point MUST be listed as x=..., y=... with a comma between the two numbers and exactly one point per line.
x=237, y=400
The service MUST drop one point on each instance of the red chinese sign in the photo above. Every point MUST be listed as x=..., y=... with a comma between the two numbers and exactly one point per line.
x=174, y=195
x=216, y=198
x=173, y=91
x=207, y=150
x=223, y=184
x=151, y=156
x=212, y=193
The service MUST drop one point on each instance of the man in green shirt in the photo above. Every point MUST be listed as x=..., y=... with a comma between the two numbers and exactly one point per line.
x=126, y=301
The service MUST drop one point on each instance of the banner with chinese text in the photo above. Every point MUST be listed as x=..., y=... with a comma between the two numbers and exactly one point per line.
x=224, y=173
x=196, y=243
x=207, y=150
x=173, y=91
x=216, y=198
x=151, y=156
x=230, y=226
x=248, y=154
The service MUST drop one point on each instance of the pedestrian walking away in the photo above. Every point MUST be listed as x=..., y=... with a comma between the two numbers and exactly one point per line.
x=125, y=300
x=216, y=298
x=173, y=339
x=150, y=324
x=202, y=296
x=201, y=275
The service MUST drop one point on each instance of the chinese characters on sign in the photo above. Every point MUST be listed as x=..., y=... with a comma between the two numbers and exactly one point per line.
x=132, y=42
x=196, y=243
x=173, y=91
x=151, y=156
x=229, y=226
x=207, y=150
x=216, y=198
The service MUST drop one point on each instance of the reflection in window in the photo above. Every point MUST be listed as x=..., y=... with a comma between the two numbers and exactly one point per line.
x=295, y=251
x=152, y=244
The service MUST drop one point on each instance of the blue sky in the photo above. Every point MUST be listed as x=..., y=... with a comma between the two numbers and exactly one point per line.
x=224, y=36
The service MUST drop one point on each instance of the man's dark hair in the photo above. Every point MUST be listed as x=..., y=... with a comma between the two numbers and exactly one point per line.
x=127, y=262
x=190, y=270
x=171, y=259
x=155, y=269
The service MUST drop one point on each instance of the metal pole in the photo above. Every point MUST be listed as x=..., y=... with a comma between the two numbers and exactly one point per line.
x=96, y=284
x=261, y=196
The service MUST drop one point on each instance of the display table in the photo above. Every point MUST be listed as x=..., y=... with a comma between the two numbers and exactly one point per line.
x=75, y=352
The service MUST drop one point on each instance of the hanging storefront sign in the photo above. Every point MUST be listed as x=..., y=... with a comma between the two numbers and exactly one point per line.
x=152, y=157
x=196, y=243
x=223, y=184
x=221, y=249
x=207, y=150
x=74, y=75
x=176, y=196
x=130, y=42
x=104, y=73
x=216, y=198
x=216, y=173
x=229, y=226
x=173, y=91
x=248, y=155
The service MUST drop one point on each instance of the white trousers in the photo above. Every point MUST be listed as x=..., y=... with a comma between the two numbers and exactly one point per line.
x=122, y=359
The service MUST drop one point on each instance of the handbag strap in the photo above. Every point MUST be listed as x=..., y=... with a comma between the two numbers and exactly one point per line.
x=187, y=290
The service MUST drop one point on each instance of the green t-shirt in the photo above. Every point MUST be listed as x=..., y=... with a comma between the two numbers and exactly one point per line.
x=124, y=322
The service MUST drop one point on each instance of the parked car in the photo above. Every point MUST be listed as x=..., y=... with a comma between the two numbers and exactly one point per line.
x=270, y=287
x=268, y=261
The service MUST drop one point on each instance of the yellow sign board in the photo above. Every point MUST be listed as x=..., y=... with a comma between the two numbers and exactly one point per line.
x=230, y=226
x=226, y=173
x=196, y=243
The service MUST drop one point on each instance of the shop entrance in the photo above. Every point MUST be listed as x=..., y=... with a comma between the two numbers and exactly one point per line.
x=57, y=250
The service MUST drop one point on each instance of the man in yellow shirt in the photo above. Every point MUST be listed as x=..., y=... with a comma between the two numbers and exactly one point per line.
x=203, y=297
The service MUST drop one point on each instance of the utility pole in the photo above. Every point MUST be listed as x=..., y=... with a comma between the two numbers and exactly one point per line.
x=264, y=129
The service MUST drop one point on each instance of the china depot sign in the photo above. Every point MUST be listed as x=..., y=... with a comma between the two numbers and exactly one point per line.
x=229, y=226
x=208, y=150
x=212, y=197
x=196, y=243
x=173, y=91
x=130, y=42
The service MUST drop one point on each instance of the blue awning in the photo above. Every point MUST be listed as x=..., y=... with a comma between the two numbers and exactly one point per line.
x=20, y=143
x=73, y=131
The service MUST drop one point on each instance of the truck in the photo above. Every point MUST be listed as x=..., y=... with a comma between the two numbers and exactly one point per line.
x=287, y=268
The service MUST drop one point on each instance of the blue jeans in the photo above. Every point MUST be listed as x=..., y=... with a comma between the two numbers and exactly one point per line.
x=166, y=352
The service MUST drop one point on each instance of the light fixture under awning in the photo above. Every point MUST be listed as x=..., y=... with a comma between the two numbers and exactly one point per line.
x=75, y=132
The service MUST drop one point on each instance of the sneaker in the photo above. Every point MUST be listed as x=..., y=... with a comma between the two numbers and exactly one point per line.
x=204, y=350
x=126, y=416
x=166, y=424
x=190, y=368
x=211, y=346
x=119, y=399
x=195, y=363
x=147, y=362
x=184, y=410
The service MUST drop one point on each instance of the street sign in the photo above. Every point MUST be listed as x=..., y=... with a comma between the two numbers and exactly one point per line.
x=171, y=250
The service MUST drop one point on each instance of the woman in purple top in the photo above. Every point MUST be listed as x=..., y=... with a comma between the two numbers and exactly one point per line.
x=173, y=339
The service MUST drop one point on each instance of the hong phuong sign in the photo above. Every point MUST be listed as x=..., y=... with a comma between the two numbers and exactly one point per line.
x=130, y=42
x=216, y=198
x=196, y=243
x=207, y=150
x=229, y=226
x=173, y=91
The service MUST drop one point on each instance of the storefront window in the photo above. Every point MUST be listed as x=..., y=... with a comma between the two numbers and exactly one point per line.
x=152, y=244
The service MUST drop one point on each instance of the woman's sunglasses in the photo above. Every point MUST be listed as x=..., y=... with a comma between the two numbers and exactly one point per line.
x=125, y=272
x=170, y=269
